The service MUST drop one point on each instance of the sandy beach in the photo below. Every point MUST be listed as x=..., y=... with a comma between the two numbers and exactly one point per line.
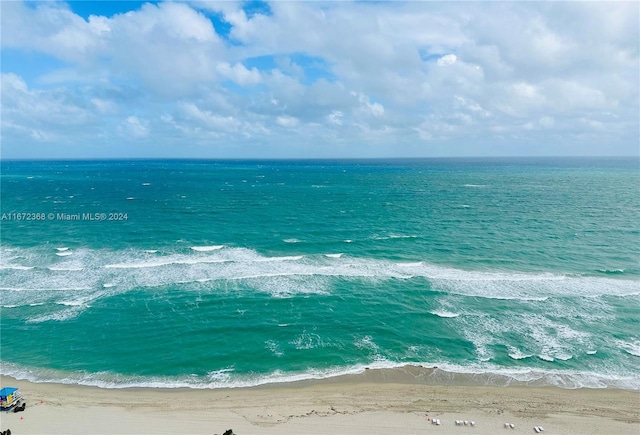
x=371, y=403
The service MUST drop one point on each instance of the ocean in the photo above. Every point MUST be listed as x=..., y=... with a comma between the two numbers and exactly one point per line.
x=209, y=274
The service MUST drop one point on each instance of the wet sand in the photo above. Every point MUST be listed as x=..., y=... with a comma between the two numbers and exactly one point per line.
x=372, y=403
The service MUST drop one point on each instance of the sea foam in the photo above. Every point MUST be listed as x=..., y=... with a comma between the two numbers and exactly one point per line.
x=445, y=374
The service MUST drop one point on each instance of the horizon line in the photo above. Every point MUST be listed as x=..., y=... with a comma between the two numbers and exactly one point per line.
x=102, y=159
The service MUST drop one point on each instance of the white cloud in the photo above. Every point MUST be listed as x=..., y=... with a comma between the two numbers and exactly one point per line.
x=471, y=106
x=448, y=59
x=134, y=127
x=343, y=72
x=525, y=90
x=377, y=109
x=367, y=107
x=53, y=29
x=239, y=73
x=182, y=22
x=105, y=106
x=286, y=65
x=211, y=120
x=287, y=121
x=571, y=95
x=12, y=83
x=335, y=117
x=51, y=112
x=171, y=48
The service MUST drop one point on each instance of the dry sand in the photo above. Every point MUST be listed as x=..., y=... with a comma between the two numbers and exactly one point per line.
x=361, y=404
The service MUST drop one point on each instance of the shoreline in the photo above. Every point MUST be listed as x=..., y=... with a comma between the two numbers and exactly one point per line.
x=413, y=373
x=375, y=402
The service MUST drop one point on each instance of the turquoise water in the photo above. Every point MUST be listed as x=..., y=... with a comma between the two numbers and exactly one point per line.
x=233, y=273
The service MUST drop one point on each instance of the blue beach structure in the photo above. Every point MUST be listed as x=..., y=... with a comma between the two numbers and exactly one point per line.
x=9, y=397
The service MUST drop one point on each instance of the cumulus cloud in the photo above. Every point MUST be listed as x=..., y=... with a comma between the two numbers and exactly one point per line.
x=239, y=73
x=466, y=75
x=43, y=114
x=367, y=107
x=52, y=28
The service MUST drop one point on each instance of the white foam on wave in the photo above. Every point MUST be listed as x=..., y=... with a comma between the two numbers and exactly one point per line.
x=307, y=340
x=523, y=333
x=207, y=248
x=64, y=253
x=402, y=236
x=73, y=307
x=282, y=286
x=517, y=354
x=274, y=348
x=491, y=374
x=58, y=316
x=366, y=343
x=444, y=374
x=415, y=264
x=481, y=341
x=172, y=260
x=11, y=289
x=262, y=275
x=285, y=276
x=522, y=286
x=445, y=314
x=555, y=340
x=71, y=303
x=15, y=267
x=23, y=305
x=291, y=240
x=281, y=276
x=564, y=357
x=62, y=249
x=284, y=258
x=222, y=378
x=45, y=289
x=632, y=348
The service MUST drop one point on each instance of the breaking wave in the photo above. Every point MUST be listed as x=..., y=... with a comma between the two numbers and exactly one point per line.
x=421, y=373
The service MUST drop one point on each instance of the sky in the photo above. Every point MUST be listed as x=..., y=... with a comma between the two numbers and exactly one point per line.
x=302, y=79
